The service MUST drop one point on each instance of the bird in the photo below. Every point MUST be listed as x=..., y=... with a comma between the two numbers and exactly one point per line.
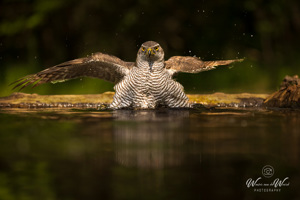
x=146, y=83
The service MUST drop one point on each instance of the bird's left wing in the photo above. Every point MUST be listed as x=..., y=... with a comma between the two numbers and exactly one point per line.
x=190, y=64
x=98, y=65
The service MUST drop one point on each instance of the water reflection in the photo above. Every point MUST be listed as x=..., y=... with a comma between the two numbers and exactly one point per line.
x=149, y=139
x=128, y=154
x=163, y=114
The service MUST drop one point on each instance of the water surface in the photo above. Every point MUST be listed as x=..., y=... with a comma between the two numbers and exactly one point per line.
x=162, y=154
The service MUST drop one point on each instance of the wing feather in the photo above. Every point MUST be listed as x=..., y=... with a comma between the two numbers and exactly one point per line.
x=99, y=65
x=190, y=64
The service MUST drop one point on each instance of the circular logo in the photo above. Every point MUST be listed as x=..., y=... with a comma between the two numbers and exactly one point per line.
x=268, y=171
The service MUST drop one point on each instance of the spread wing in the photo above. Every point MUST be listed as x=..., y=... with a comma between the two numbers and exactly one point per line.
x=99, y=65
x=190, y=64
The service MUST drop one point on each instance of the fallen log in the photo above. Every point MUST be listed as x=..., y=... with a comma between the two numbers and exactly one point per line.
x=23, y=100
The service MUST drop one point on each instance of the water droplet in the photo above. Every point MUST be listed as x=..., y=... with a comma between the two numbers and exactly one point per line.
x=203, y=10
x=244, y=33
x=198, y=10
x=212, y=54
x=251, y=35
x=238, y=52
x=190, y=51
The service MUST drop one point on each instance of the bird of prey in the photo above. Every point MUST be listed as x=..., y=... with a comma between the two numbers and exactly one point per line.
x=146, y=83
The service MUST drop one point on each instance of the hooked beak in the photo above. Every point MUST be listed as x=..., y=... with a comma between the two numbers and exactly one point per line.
x=150, y=52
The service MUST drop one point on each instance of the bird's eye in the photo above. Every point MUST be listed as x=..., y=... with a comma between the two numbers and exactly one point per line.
x=156, y=48
x=143, y=49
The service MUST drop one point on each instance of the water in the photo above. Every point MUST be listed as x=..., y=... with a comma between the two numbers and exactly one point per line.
x=164, y=154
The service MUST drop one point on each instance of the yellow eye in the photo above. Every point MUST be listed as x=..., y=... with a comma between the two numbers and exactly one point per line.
x=143, y=49
x=156, y=48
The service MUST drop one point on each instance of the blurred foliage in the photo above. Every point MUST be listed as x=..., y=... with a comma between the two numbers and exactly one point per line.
x=35, y=34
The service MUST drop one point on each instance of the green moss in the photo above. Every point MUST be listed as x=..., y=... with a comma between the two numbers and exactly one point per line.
x=106, y=98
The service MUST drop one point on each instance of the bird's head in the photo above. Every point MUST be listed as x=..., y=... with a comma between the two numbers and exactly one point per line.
x=151, y=51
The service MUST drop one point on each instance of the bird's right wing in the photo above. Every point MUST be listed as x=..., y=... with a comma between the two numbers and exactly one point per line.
x=98, y=65
x=188, y=64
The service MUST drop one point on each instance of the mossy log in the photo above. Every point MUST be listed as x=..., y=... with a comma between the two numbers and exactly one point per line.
x=23, y=100
x=287, y=96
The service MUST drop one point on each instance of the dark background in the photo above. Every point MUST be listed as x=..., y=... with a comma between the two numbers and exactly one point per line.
x=36, y=34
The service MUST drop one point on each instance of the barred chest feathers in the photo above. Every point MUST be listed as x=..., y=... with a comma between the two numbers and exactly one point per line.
x=148, y=86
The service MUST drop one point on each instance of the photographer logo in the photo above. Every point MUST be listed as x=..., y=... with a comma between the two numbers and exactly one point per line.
x=268, y=171
x=266, y=184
